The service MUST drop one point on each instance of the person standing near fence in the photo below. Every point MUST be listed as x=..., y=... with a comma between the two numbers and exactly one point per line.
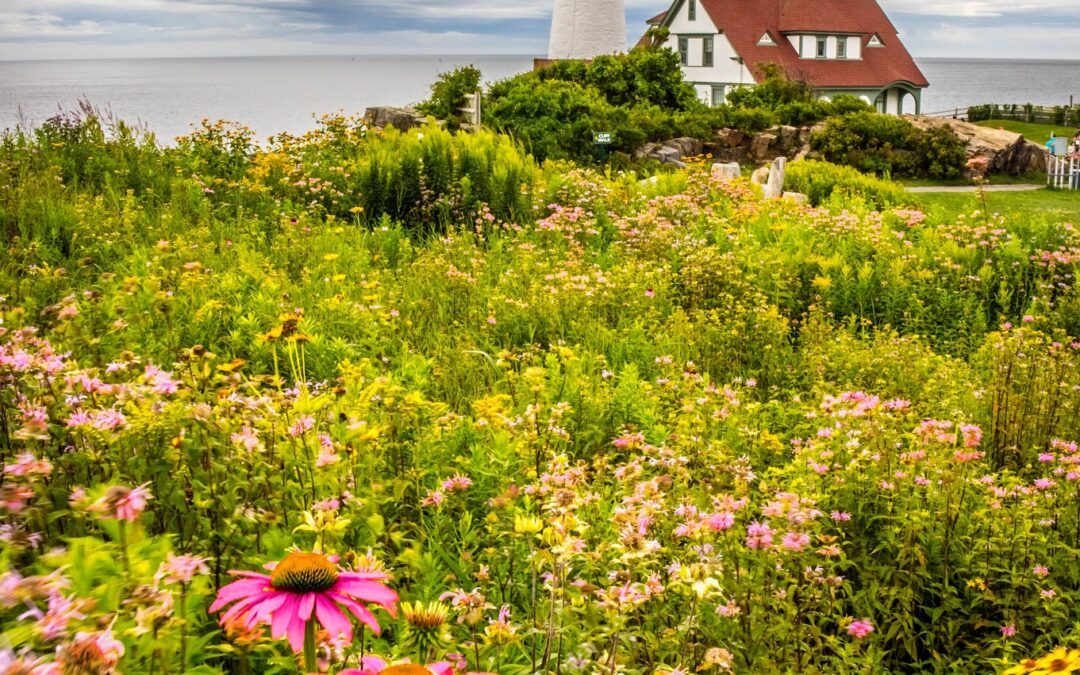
x=1076, y=145
x=1050, y=144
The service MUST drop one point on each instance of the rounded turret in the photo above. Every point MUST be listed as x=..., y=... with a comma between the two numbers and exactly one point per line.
x=582, y=29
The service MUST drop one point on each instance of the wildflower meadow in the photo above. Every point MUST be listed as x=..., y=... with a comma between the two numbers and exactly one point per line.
x=359, y=402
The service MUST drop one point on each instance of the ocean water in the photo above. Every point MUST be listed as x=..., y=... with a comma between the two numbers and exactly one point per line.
x=959, y=83
x=269, y=95
x=273, y=95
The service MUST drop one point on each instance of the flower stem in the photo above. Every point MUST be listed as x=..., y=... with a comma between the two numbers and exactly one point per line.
x=309, y=647
x=123, y=548
x=183, y=627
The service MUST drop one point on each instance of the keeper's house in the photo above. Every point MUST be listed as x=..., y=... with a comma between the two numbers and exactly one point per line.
x=837, y=46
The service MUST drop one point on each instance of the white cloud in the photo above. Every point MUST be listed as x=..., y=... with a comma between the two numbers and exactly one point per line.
x=980, y=8
x=985, y=42
x=42, y=25
x=256, y=27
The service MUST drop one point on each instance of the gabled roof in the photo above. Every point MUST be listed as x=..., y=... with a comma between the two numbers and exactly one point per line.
x=856, y=16
x=743, y=22
x=658, y=19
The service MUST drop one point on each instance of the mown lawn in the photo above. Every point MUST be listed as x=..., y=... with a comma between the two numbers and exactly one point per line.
x=1037, y=177
x=1037, y=133
x=1060, y=205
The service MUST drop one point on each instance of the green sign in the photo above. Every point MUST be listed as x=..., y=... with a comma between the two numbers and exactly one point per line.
x=602, y=137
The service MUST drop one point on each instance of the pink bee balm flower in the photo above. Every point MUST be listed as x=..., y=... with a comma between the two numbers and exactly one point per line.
x=795, y=541
x=1008, y=630
x=181, y=569
x=122, y=503
x=721, y=521
x=860, y=628
x=301, y=588
x=91, y=653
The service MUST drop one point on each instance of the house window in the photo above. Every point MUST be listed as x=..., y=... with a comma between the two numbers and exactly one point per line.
x=706, y=52
x=718, y=93
x=821, y=43
x=691, y=11
x=684, y=51
x=841, y=48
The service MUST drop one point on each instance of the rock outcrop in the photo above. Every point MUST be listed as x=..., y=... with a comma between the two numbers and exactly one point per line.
x=671, y=152
x=1004, y=151
x=401, y=118
x=733, y=145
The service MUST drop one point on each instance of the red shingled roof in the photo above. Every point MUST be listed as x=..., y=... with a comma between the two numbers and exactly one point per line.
x=744, y=21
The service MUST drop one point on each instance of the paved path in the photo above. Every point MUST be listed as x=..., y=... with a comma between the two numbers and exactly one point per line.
x=971, y=188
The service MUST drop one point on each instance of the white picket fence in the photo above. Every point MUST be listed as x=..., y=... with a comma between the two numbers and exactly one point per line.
x=1063, y=172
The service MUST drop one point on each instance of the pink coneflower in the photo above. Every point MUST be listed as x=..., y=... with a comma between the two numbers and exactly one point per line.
x=860, y=628
x=300, y=591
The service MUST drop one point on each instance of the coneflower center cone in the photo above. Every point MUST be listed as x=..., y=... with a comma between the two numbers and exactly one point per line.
x=302, y=572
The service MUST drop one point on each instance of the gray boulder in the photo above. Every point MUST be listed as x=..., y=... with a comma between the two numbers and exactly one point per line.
x=728, y=171
x=400, y=118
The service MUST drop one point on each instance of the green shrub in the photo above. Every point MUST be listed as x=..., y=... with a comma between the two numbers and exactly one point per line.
x=802, y=113
x=641, y=77
x=639, y=97
x=819, y=181
x=877, y=143
x=751, y=120
x=773, y=91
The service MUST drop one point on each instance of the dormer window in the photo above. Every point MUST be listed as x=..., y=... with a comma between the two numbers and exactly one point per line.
x=822, y=44
x=691, y=10
x=875, y=41
x=841, y=48
x=766, y=40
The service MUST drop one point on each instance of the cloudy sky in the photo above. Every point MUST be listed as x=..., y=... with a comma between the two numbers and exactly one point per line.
x=46, y=29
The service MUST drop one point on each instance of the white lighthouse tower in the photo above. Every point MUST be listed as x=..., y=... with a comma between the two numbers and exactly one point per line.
x=582, y=29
